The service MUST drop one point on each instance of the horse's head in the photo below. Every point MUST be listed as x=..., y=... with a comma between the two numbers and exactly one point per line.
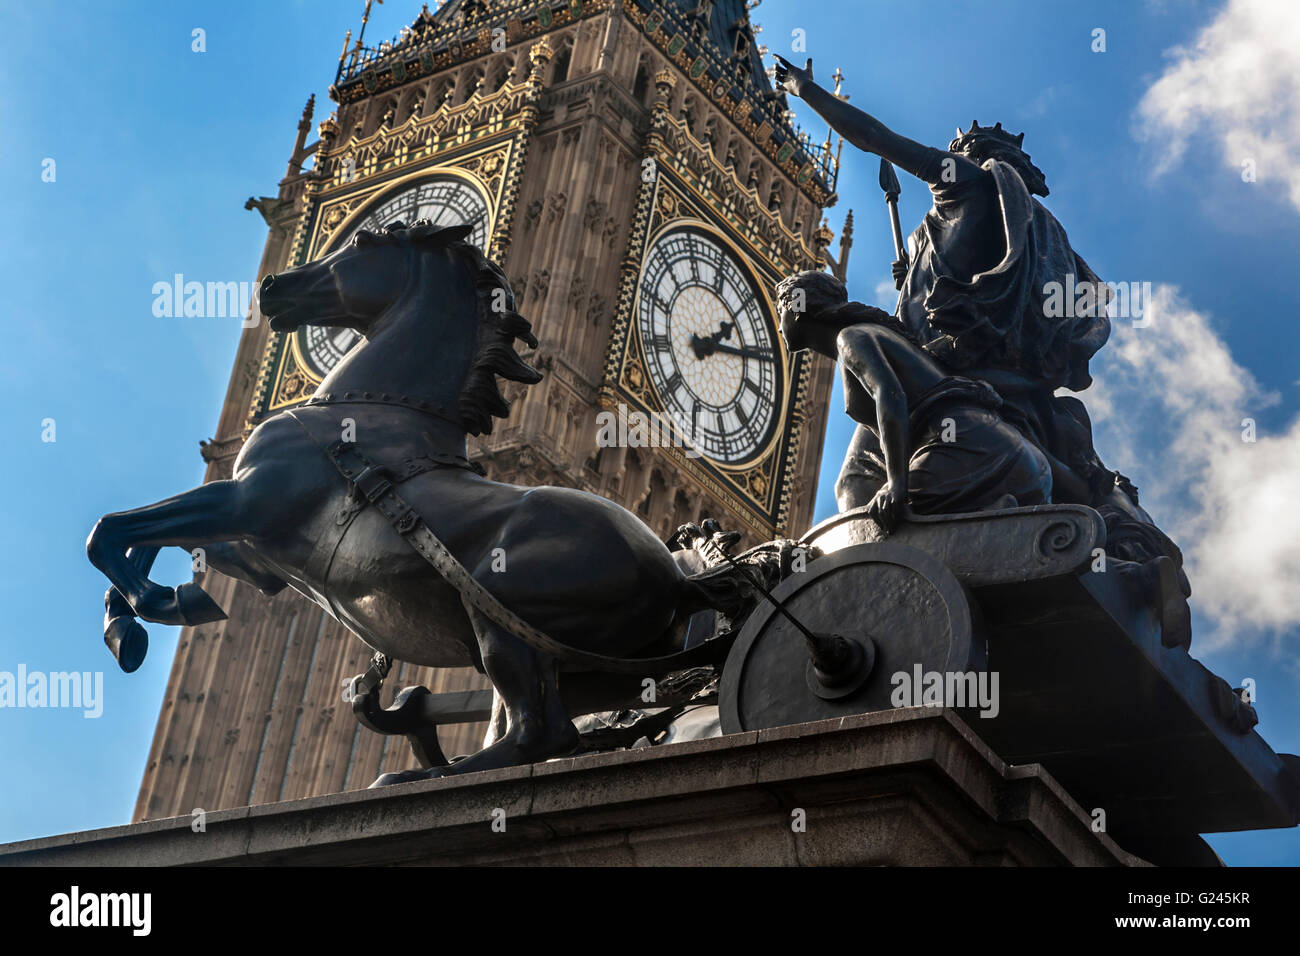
x=445, y=310
x=353, y=286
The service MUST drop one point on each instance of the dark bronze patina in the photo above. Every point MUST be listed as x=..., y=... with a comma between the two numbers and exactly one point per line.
x=363, y=500
x=972, y=509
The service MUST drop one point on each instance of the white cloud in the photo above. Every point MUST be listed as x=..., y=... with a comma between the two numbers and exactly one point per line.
x=886, y=295
x=1041, y=103
x=1167, y=410
x=1237, y=87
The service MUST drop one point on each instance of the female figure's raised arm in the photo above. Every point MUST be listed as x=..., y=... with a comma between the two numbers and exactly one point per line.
x=867, y=133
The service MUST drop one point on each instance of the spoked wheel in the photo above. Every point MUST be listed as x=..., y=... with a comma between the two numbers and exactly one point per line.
x=873, y=610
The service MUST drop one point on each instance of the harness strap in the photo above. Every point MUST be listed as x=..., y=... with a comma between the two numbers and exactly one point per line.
x=321, y=559
x=385, y=398
x=378, y=486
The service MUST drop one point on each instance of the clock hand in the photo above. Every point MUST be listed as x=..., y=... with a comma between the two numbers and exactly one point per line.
x=705, y=347
x=745, y=351
x=709, y=344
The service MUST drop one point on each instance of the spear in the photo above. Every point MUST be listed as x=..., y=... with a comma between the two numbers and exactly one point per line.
x=889, y=183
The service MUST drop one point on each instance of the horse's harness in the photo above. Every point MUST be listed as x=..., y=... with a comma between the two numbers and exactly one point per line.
x=376, y=485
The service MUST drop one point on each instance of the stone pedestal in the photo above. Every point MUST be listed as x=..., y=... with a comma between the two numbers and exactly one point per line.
x=906, y=787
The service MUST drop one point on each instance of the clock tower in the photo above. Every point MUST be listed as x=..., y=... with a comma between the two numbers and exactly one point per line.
x=629, y=165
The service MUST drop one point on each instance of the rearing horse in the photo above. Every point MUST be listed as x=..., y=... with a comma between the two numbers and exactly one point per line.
x=439, y=327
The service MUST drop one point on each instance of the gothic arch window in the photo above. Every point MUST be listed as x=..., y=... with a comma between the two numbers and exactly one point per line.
x=734, y=154
x=551, y=414
x=437, y=93
x=775, y=198
x=515, y=394
x=641, y=87
x=681, y=511
x=412, y=105
x=676, y=97
x=560, y=65
x=633, y=463
x=711, y=134
x=470, y=82
x=690, y=114
x=657, y=492
x=500, y=76
x=572, y=422
x=383, y=113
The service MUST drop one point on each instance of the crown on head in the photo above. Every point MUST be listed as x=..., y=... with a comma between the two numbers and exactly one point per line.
x=977, y=131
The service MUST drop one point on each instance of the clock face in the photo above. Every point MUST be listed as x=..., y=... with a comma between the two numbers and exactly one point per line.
x=709, y=345
x=446, y=200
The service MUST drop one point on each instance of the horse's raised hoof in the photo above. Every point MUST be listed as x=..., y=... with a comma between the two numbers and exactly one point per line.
x=115, y=605
x=186, y=605
x=196, y=607
x=128, y=641
x=404, y=776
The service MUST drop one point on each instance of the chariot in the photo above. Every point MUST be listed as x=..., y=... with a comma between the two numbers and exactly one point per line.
x=1054, y=656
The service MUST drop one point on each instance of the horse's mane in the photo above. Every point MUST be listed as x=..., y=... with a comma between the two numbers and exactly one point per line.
x=499, y=325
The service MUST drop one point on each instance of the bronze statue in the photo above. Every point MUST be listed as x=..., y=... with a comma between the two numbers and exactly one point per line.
x=974, y=297
x=363, y=500
x=924, y=437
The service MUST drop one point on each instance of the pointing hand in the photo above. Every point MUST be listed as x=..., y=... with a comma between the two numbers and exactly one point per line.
x=792, y=79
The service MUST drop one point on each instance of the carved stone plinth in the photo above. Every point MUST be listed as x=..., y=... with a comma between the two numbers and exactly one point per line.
x=906, y=787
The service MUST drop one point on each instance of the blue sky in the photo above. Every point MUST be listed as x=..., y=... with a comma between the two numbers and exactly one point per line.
x=156, y=148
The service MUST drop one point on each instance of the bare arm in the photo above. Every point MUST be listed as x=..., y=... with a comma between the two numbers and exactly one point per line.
x=867, y=133
x=863, y=358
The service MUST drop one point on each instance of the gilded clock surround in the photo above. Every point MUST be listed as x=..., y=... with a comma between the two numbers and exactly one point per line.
x=340, y=217
x=668, y=226
x=294, y=378
x=483, y=141
x=755, y=485
x=689, y=185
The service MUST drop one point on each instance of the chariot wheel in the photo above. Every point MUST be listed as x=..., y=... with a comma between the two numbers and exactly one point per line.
x=874, y=610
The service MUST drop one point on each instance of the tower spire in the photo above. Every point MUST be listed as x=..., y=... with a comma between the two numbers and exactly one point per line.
x=300, y=143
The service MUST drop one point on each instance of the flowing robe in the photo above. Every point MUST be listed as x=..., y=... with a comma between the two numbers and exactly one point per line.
x=975, y=290
x=974, y=297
